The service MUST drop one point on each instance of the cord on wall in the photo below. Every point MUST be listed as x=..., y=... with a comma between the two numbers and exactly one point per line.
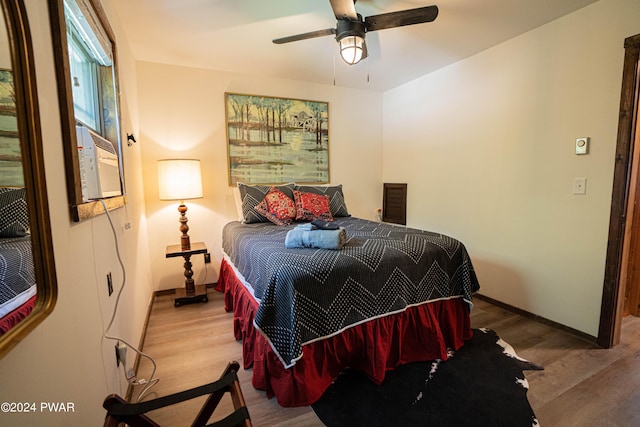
x=129, y=373
x=206, y=272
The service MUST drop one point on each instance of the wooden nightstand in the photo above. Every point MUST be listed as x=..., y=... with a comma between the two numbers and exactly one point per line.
x=190, y=293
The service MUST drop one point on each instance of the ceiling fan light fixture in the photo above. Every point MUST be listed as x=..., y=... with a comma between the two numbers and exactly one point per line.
x=351, y=49
x=351, y=27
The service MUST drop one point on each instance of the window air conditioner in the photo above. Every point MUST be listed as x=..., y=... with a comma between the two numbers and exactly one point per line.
x=99, y=166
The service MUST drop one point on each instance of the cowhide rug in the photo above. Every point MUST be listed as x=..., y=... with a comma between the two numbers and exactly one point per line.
x=481, y=384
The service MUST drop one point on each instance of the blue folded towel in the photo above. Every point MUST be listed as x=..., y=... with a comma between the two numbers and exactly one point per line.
x=304, y=236
x=306, y=226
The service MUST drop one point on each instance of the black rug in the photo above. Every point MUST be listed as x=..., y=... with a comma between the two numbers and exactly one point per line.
x=479, y=385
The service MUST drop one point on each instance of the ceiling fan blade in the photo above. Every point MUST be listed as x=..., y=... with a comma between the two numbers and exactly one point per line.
x=401, y=18
x=344, y=9
x=304, y=36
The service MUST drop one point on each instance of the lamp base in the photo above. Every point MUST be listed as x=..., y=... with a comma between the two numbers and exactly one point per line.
x=185, y=241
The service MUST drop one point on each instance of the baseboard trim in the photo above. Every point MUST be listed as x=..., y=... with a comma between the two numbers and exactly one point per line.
x=578, y=334
x=143, y=336
x=164, y=292
x=173, y=291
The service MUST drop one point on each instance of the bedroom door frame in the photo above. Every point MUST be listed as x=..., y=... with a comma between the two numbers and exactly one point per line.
x=623, y=199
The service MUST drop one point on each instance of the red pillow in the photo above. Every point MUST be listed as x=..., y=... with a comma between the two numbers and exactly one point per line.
x=310, y=206
x=277, y=207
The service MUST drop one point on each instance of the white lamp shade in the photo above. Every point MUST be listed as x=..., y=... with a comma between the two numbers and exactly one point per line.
x=179, y=179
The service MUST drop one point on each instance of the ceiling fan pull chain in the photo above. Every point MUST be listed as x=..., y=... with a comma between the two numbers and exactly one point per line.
x=334, y=68
x=367, y=58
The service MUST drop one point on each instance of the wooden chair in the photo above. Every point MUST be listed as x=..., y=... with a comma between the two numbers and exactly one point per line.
x=133, y=414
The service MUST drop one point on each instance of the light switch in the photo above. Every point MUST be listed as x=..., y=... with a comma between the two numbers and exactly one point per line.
x=580, y=185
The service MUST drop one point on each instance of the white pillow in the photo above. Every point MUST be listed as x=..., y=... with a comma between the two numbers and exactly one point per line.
x=238, y=202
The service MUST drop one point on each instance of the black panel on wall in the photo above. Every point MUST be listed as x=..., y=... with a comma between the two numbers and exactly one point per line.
x=394, y=203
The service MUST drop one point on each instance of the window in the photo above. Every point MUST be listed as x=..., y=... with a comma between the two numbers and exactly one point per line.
x=86, y=71
x=92, y=70
x=84, y=85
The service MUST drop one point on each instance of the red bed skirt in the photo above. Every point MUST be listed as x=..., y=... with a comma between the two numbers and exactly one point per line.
x=17, y=315
x=420, y=333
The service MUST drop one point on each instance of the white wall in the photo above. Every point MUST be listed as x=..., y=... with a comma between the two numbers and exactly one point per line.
x=65, y=359
x=182, y=115
x=487, y=148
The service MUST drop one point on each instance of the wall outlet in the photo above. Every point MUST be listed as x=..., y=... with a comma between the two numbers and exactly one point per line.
x=109, y=283
x=121, y=355
x=117, y=357
x=580, y=185
x=207, y=257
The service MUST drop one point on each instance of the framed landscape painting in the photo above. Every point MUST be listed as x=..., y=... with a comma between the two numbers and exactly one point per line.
x=276, y=140
x=11, y=174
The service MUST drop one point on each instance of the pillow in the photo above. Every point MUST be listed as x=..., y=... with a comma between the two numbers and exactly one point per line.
x=251, y=195
x=277, y=207
x=310, y=206
x=237, y=203
x=336, y=197
x=14, y=217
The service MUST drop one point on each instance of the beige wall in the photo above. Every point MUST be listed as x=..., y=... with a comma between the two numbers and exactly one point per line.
x=66, y=359
x=487, y=149
x=486, y=146
x=182, y=116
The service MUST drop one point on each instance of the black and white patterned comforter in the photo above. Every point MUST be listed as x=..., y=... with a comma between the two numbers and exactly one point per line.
x=309, y=294
x=17, y=277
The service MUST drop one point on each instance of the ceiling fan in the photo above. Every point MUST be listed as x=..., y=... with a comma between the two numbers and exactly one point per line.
x=351, y=27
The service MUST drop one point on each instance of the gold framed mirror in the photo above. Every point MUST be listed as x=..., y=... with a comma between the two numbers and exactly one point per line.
x=21, y=143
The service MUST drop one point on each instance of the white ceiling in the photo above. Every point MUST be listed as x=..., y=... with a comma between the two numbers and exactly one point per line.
x=235, y=36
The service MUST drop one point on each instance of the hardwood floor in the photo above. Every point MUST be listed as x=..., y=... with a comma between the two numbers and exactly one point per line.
x=581, y=384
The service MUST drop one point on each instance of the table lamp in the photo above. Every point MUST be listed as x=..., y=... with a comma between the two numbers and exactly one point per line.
x=180, y=179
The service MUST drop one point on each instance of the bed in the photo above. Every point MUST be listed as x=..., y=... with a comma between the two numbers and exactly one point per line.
x=17, y=277
x=390, y=296
x=17, y=281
